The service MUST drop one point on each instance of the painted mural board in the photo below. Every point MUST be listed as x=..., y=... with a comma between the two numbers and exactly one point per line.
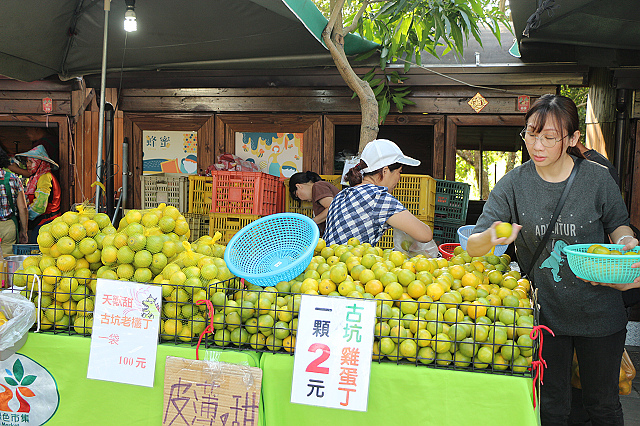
x=279, y=154
x=169, y=152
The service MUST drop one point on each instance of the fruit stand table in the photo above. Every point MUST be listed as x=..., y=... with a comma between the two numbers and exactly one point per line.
x=406, y=394
x=95, y=402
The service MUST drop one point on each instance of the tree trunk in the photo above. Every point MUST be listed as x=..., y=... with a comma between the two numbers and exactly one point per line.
x=511, y=161
x=333, y=37
x=473, y=159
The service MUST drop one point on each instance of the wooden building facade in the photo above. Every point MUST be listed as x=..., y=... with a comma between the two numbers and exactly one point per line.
x=315, y=102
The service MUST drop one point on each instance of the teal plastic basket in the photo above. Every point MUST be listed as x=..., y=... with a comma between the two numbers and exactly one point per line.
x=602, y=268
x=275, y=248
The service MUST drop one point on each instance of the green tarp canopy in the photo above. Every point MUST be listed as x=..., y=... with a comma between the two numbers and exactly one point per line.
x=588, y=32
x=65, y=37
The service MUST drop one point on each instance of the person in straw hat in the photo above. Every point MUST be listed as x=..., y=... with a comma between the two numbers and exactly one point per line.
x=43, y=190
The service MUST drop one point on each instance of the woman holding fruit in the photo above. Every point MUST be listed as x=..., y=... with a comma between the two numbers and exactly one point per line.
x=587, y=317
x=367, y=209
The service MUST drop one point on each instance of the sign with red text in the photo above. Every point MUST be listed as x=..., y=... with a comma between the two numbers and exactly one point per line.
x=333, y=352
x=124, y=340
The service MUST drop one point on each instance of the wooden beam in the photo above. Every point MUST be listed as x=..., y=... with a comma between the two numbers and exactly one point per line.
x=206, y=145
x=417, y=91
x=311, y=104
x=328, y=145
x=80, y=101
x=27, y=106
x=439, y=134
x=448, y=154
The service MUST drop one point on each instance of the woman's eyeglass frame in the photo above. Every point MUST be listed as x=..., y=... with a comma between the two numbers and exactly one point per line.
x=542, y=138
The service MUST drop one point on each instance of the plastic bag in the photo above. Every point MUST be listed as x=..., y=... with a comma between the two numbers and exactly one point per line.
x=627, y=374
x=407, y=245
x=231, y=162
x=21, y=314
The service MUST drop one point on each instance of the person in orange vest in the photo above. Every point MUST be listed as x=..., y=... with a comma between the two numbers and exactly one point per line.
x=43, y=190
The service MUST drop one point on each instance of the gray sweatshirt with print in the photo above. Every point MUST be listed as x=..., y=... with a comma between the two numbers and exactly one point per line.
x=593, y=209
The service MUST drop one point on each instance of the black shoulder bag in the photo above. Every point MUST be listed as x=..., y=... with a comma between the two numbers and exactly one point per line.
x=554, y=218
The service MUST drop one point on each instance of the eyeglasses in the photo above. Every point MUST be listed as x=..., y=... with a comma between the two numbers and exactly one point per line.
x=546, y=140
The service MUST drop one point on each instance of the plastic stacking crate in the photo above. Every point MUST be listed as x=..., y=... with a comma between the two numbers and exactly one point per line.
x=451, y=201
x=444, y=232
x=229, y=224
x=253, y=193
x=25, y=249
x=168, y=188
x=417, y=193
x=305, y=207
x=198, y=225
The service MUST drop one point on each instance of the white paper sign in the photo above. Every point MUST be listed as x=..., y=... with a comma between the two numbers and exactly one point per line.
x=333, y=352
x=124, y=340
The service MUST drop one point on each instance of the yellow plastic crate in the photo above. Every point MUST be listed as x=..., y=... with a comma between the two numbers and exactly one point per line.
x=386, y=241
x=200, y=194
x=229, y=224
x=418, y=194
x=305, y=207
x=198, y=225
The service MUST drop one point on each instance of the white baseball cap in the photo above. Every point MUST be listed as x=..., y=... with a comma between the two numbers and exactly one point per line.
x=382, y=152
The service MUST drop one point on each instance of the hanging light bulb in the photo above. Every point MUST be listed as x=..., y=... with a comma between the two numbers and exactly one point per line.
x=130, y=23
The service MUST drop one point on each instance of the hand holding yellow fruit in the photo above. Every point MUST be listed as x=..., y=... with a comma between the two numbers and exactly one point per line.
x=503, y=230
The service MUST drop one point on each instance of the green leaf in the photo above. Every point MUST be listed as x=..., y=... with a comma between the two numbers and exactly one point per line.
x=384, y=52
x=369, y=75
x=18, y=370
x=375, y=82
x=28, y=380
x=354, y=95
x=377, y=90
x=366, y=55
x=10, y=381
x=407, y=66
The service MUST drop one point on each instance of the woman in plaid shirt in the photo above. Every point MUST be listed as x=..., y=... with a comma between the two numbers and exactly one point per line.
x=366, y=209
x=11, y=194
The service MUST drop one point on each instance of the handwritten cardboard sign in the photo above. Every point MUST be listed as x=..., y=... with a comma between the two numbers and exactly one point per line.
x=211, y=393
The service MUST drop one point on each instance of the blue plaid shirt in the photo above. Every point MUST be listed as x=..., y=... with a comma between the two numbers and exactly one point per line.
x=16, y=187
x=361, y=212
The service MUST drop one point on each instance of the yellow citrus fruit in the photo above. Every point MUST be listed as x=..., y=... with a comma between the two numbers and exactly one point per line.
x=70, y=218
x=66, y=263
x=77, y=231
x=87, y=246
x=133, y=216
x=503, y=230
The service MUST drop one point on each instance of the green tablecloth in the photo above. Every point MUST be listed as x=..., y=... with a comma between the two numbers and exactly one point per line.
x=406, y=394
x=95, y=402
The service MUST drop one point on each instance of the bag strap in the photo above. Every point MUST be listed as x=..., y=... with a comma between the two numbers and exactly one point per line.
x=555, y=216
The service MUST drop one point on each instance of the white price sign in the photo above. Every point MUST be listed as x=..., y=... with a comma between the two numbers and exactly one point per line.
x=124, y=340
x=333, y=352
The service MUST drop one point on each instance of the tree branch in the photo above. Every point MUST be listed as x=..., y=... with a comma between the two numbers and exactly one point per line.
x=356, y=19
x=335, y=14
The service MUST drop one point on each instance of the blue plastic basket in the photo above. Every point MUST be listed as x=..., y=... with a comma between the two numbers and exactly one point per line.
x=275, y=248
x=602, y=268
x=465, y=231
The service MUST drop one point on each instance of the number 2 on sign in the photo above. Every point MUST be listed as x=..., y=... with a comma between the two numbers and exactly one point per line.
x=314, y=366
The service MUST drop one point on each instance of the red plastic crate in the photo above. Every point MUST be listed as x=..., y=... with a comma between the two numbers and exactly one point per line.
x=252, y=193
